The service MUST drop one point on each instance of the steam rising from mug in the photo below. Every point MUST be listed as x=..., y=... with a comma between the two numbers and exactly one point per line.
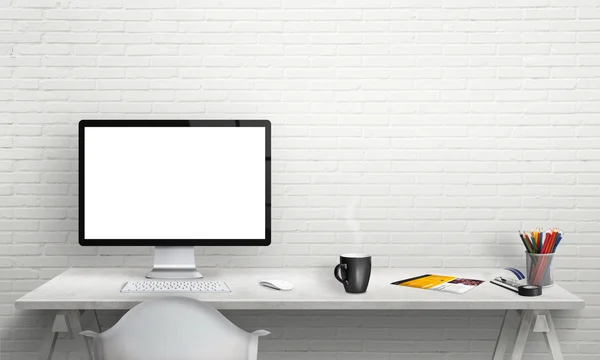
x=349, y=214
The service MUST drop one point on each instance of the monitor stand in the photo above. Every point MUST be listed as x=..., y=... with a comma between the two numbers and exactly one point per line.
x=174, y=262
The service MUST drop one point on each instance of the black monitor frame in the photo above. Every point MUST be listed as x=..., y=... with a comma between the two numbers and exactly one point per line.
x=266, y=124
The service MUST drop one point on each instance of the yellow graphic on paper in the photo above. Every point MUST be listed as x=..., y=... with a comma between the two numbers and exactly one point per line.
x=428, y=282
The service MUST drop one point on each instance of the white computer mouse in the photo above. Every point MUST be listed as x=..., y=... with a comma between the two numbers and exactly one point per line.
x=277, y=284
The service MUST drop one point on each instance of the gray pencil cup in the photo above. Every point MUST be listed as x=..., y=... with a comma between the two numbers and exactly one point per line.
x=539, y=269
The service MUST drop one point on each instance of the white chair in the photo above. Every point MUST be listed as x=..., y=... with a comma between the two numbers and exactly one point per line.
x=174, y=328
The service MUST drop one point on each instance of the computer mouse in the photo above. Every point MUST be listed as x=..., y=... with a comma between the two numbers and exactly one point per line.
x=277, y=284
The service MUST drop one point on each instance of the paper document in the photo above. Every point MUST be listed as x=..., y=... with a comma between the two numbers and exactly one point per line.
x=450, y=284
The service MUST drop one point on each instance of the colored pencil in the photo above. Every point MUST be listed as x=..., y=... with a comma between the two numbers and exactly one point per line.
x=557, y=241
x=525, y=242
x=538, y=241
x=530, y=241
x=541, y=269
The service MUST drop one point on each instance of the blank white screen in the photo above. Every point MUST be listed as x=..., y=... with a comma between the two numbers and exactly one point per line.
x=174, y=183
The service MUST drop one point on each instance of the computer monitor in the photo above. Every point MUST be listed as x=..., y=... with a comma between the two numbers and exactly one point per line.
x=174, y=184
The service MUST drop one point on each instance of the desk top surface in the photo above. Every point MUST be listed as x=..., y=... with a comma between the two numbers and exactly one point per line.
x=314, y=289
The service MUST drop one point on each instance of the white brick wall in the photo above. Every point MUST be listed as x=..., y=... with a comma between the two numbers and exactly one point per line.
x=425, y=132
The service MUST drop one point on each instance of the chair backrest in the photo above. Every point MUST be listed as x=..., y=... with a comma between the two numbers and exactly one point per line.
x=174, y=328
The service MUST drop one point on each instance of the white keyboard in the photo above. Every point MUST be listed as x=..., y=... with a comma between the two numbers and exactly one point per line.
x=175, y=286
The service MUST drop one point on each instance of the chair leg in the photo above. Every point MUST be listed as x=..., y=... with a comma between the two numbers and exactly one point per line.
x=524, y=329
x=502, y=339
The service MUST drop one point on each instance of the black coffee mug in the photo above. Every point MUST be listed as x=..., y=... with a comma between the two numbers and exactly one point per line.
x=354, y=271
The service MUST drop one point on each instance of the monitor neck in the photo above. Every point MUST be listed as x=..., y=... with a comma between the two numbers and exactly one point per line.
x=174, y=262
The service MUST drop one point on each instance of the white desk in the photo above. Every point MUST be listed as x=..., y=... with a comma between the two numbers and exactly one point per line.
x=315, y=289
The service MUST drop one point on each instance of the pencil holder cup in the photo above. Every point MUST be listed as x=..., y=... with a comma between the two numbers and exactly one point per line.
x=539, y=269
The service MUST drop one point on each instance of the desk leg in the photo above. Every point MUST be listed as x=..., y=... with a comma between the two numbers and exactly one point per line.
x=524, y=329
x=49, y=342
x=502, y=340
x=543, y=323
x=550, y=336
x=75, y=328
x=97, y=320
x=68, y=322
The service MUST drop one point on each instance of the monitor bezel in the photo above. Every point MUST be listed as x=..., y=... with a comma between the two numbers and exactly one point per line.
x=266, y=124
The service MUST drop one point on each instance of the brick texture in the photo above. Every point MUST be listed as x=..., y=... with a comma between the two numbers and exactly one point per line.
x=425, y=132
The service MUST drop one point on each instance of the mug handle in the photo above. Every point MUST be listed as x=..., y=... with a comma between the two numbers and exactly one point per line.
x=337, y=273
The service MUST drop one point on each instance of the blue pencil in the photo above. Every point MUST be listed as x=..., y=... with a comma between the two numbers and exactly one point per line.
x=557, y=242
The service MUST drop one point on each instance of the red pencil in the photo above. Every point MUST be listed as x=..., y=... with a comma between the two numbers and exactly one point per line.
x=554, y=236
x=549, y=236
x=548, y=246
x=540, y=263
